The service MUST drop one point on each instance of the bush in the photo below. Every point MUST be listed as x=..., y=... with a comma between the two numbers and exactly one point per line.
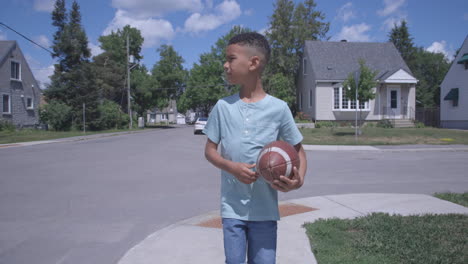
x=56, y=115
x=384, y=123
x=110, y=116
x=418, y=124
x=302, y=117
x=6, y=125
x=321, y=124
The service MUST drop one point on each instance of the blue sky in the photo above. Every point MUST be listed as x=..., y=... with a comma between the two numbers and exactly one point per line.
x=193, y=26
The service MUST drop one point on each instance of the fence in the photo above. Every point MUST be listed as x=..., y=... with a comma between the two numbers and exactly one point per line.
x=429, y=116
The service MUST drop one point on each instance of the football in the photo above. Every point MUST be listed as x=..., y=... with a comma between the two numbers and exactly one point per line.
x=276, y=159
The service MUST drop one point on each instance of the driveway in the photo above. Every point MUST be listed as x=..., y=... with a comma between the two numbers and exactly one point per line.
x=90, y=201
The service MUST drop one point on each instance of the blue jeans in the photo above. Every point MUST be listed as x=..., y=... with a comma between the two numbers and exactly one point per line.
x=256, y=239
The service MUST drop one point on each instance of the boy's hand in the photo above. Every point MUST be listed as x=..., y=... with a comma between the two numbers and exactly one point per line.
x=243, y=172
x=285, y=184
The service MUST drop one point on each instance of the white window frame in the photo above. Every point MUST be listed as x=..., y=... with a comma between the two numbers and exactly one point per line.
x=304, y=66
x=32, y=103
x=19, y=70
x=9, y=104
x=164, y=117
x=346, y=107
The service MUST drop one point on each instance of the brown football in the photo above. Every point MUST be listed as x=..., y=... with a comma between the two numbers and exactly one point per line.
x=276, y=159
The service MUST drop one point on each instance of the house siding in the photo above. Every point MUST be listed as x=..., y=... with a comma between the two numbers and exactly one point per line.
x=305, y=84
x=19, y=91
x=457, y=77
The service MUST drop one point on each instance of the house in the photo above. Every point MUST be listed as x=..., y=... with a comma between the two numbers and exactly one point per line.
x=19, y=90
x=167, y=114
x=326, y=65
x=454, y=92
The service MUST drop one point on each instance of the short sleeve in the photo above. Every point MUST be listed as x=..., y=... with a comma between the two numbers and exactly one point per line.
x=212, y=128
x=288, y=129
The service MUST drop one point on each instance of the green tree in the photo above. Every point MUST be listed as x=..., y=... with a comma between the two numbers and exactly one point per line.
x=401, y=38
x=144, y=90
x=289, y=27
x=57, y=115
x=206, y=83
x=365, y=89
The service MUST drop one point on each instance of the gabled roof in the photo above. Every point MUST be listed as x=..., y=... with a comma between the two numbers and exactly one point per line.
x=335, y=60
x=6, y=47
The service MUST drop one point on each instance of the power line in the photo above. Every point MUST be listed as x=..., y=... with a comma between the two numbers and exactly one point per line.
x=30, y=40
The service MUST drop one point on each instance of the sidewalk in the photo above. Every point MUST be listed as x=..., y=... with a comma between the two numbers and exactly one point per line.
x=200, y=240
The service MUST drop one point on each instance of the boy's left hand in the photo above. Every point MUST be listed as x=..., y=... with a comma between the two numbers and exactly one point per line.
x=285, y=184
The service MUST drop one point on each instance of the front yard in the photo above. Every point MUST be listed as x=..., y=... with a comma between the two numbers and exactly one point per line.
x=383, y=136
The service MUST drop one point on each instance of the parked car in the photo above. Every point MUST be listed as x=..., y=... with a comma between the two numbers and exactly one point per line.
x=199, y=125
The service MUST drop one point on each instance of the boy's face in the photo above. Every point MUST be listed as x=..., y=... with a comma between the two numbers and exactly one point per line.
x=238, y=63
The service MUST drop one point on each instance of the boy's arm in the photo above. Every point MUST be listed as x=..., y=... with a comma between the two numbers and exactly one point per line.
x=242, y=171
x=286, y=184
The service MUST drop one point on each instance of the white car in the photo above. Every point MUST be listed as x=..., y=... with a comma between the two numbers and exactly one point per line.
x=199, y=125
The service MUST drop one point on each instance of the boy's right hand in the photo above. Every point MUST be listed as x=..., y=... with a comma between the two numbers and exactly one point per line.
x=243, y=172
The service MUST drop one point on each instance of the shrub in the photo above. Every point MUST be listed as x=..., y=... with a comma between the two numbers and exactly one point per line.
x=57, y=115
x=6, y=125
x=384, y=123
x=321, y=124
x=110, y=116
x=302, y=117
x=418, y=124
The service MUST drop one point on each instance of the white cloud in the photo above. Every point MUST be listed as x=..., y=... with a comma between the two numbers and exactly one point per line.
x=151, y=8
x=42, y=40
x=40, y=72
x=390, y=22
x=225, y=12
x=346, y=12
x=354, y=33
x=391, y=6
x=3, y=35
x=152, y=30
x=95, y=49
x=44, y=5
x=441, y=47
x=263, y=31
x=249, y=12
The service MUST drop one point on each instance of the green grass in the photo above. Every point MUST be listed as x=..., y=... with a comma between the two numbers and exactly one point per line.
x=383, y=136
x=382, y=238
x=26, y=135
x=458, y=198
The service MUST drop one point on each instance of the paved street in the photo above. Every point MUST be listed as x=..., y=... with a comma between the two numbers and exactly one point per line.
x=90, y=201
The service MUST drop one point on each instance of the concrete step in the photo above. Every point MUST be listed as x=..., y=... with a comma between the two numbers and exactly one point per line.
x=399, y=123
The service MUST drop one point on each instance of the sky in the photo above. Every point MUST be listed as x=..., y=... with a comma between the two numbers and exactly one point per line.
x=193, y=26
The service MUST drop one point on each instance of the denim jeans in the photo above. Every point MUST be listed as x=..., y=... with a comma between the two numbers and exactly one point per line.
x=256, y=239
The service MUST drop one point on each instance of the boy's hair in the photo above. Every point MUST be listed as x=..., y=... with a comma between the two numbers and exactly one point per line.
x=255, y=40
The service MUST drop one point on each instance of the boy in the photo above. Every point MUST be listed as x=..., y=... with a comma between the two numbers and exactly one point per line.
x=244, y=123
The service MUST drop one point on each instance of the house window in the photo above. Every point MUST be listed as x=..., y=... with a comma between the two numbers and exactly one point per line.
x=29, y=103
x=339, y=95
x=163, y=116
x=304, y=66
x=310, y=98
x=6, y=104
x=15, y=70
x=336, y=99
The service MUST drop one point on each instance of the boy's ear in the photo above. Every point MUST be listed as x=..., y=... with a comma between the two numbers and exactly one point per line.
x=254, y=63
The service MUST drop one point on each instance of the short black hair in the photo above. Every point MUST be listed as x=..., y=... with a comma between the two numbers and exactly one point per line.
x=255, y=40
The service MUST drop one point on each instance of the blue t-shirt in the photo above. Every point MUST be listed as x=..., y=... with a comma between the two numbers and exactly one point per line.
x=243, y=129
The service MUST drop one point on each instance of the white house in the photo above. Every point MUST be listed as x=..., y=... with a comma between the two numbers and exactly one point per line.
x=326, y=65
x=454, y=92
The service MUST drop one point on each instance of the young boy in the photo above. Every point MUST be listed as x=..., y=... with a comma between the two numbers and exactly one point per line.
x=243, y=123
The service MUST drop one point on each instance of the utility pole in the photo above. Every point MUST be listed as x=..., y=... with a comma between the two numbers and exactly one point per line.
x=128, y=84
x=356, y=80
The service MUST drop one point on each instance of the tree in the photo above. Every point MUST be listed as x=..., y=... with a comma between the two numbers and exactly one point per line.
x=206, y=83
x=144, y=90
x=290, y=27
x=169, y=73
x=402, y=40
x=365, y=89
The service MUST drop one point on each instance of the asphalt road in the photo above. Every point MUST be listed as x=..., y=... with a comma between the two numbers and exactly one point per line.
x=90, y=201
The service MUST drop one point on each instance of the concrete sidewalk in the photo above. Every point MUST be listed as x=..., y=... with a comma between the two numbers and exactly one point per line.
x=200, y=239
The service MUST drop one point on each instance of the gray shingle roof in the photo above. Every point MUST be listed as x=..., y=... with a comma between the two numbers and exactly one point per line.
x=5, y=48
x=335, y=60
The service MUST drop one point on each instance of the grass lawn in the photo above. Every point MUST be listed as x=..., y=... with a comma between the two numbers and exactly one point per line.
x=381, y=238
x=459, y=198
x=26, y=135
x=383, y=136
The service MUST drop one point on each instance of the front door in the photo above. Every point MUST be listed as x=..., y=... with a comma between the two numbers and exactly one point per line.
x=394, y=102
